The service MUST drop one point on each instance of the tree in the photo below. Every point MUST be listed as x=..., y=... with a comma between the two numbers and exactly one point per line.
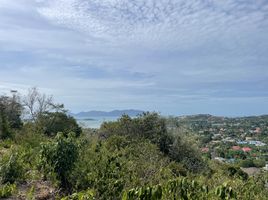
x=36, y=104
x=10, y=115
x=11, y=168
x=48, y=117
x=183, y=151
x=152, y=127
x=53, y=122
x=60, y=155
x=4, y=126
x=147, y=126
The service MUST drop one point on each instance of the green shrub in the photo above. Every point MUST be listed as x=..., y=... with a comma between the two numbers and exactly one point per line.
x=117, y=163
x=182, y=151
x=247, y=163
x=6, y=143
x=29, y=138
x=5, y=131
x=11, y=168
x=174, y=189
x=152, y=127
x=259, y=163
x=83, y=195
x=236, y=172
x=7, y=190
x=60, y=155
x=51, y=123
x=10, y=112
x=149, y=126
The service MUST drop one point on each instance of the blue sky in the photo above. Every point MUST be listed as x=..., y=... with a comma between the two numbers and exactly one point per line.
x=173, y=56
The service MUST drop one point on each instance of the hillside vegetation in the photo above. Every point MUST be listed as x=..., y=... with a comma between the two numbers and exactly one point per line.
x=48, y=156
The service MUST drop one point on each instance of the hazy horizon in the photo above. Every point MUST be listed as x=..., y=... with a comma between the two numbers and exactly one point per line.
x=174, y=57
x=164, y=114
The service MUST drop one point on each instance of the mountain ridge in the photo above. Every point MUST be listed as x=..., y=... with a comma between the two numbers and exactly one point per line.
x=113, y=113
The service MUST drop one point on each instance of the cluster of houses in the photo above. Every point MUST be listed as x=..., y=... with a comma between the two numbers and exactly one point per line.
x=233, y=139
x=238, y=148
x=257, y=143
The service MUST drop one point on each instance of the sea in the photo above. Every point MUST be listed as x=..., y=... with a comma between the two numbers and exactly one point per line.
x=94, y=122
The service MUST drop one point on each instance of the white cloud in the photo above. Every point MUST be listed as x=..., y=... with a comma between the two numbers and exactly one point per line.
x=148, y=53
x=174, y=23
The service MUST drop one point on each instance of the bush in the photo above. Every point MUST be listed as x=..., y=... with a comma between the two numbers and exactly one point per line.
x=183, y=152
x=236, y=172
x=29, y=138
x=11, y=169
x=110, y=166
x=84, y=195
x=146, y=126
x=7, y=190
x=5, y=131
x=152, y=127
x=247, y=163
x=259, y=163
x=60, y=155
x=6, y=143
x=52, y=123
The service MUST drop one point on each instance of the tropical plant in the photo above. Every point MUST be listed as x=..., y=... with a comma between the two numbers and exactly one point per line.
x=11, y=168
x=7, y=190
x=60, y=155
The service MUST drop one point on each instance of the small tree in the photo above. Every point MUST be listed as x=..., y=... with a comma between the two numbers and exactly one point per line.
x=11, y=168
x=148, y=125
x=36, y=104
x=10, y=112
x=60, y=155
x=54, y=122
x=4, y=126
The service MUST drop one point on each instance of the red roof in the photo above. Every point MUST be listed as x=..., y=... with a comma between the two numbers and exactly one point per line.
x=205, y=150
x=246, y=149
x=236, y=148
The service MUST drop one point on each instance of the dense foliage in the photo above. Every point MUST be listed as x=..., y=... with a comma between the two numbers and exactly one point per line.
x=146, y=157
x=152, y=127
x=52, y=123
x=11, y=168
x=59, y=156
x=10, y=115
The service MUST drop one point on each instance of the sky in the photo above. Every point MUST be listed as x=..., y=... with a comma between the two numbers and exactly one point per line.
x=176, y=57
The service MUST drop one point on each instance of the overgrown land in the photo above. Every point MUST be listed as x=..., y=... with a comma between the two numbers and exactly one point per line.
x=44, y=154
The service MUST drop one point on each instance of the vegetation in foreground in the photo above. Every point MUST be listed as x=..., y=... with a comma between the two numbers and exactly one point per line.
x=51, y=157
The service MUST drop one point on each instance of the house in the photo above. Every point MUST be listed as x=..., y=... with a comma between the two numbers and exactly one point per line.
x=204, y=150
x=261, y=144
x=236, y=148
x=257, y=130
x=246, y=149
x=241, y=142
x=257, y=143
x=228, y=139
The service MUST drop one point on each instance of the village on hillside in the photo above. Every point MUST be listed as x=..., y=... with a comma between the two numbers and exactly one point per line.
x=241, y=140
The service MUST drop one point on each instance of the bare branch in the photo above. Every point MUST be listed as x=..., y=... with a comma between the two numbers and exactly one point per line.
x=37, y=104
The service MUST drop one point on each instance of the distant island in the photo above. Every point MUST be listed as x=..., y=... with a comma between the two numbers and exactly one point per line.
x=114, y=113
